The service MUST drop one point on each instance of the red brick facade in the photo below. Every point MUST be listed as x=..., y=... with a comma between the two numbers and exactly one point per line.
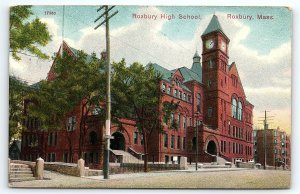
x=211, y=93
x=278, y=148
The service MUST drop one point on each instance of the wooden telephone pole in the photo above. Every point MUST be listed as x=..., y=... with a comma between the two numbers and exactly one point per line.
x=107, y=136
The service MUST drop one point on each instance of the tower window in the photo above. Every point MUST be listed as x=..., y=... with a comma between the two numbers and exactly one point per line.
x=210, y=63
x=240, y=110
x=234, y=108
x=198, y=103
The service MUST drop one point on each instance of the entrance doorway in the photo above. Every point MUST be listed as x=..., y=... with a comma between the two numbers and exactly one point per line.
x=118, y=141
x=212, y=148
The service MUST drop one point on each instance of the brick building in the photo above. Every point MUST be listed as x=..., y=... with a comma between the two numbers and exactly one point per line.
x=278, y=147
x=210, y=93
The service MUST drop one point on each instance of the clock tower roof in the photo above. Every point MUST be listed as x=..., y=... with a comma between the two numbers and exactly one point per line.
x=213, y=26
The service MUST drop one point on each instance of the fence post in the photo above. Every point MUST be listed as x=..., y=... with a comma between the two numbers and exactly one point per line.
x=81, y=168
x=39, y=168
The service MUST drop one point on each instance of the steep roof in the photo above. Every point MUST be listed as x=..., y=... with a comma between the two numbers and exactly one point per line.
x=213, y=26
x=190, y=74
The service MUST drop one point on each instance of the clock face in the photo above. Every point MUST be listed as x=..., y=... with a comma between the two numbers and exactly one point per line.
x=209, y=44
x=223, y=46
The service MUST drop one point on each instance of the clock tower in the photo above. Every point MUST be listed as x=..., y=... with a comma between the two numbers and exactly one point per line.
x=215, y=75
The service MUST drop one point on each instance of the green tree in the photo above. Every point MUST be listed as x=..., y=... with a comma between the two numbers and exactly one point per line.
x=79, y=82
x=136, y=94
x=26, y=34
x=17, y=92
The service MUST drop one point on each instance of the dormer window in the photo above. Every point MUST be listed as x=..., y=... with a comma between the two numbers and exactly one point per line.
x=184, y=97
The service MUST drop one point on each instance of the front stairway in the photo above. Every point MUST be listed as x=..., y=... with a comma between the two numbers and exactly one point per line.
x=20, y=172
x=125, y=157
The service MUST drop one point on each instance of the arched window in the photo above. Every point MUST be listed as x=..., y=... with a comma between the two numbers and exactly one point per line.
x=93, y=137
x=234, y=108
x=198, y=103
x=240, y=110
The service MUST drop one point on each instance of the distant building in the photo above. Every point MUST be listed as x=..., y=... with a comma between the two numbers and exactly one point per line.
x=278, y=147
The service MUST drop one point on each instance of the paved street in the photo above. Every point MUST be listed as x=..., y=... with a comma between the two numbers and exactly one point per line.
x=204, y=178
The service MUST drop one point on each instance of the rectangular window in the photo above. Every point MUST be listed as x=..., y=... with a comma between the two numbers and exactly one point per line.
x=166, y=140
x=178, y=142
x=183, y=143
x=175, y=92
x=229, y=147
x=169, y=90
x=172, y=141
x=184, y=97
x=233, y=131
x=224, y=146
x=97, y=158
x=180, y=95
x=178, y=121
x=233, y=148
x=209, y=112
x=184, y=122
x=172, y=119
x=142, y=139
x=71, y=123
x=189, y=98
x=135, y=137
x=66, y=156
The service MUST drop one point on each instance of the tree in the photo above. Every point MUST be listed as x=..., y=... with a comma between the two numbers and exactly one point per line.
x=136, y=94
x=79, y=82
x=26, y=36
x=17, y=92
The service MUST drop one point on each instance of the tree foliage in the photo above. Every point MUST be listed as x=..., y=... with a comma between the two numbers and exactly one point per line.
x=17, y=92
x=79, y=82
x=136, y=93
x=26, y=34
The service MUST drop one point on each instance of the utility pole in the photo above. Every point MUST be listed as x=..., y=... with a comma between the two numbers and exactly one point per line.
x=197, y=143
x=107, y=136
x=265, y=140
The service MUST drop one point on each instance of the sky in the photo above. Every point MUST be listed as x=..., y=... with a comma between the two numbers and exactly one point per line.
x=260, y=48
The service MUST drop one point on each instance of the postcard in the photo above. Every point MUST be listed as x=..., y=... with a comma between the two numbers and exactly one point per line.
x=150, y=97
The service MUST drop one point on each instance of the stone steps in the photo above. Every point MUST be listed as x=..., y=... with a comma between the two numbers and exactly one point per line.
x=20, y=172
x=127, y=157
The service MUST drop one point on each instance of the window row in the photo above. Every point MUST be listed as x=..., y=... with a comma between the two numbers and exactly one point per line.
x=91, y=157
x=180, y=142
x=235, y=148
x=30, y=140
x=32, y=123
x=176, y=93
x=179, y=122
x=237, y=109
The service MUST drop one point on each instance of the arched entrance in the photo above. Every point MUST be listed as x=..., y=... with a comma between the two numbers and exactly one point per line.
x=212, y=148
x=118, y=142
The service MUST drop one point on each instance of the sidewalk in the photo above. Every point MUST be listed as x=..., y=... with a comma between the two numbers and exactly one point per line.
x=57, y=180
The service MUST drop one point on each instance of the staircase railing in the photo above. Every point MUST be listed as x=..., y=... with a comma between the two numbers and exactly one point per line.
x=139, y=156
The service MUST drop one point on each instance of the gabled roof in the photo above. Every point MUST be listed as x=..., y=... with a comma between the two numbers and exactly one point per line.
x=166, y=74
x=213, y=26
x=190, y=75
